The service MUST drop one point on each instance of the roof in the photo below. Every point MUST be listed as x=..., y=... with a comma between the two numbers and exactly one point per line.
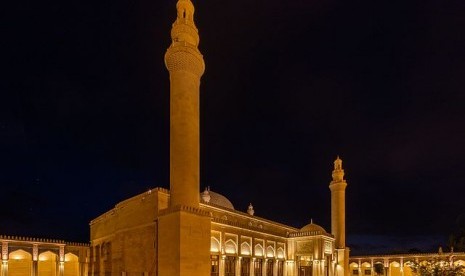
x=219, y=200
x=312, y=227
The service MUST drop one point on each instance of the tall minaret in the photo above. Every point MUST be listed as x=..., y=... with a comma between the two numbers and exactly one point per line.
x=185, y=65
x=184, y=230
x=338, y=216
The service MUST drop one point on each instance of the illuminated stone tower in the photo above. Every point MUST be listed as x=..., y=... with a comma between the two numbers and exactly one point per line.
x=338, y=217
x=185, y=64
x=184, y=229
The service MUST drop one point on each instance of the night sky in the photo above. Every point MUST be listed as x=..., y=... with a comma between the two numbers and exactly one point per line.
x=289, y=85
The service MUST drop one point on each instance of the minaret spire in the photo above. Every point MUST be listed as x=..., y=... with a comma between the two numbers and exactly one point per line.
x=338, y=172
x=183, y=54
x=184, y=29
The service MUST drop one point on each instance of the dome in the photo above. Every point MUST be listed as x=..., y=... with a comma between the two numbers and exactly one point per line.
x=312, y=227
x=217, y=199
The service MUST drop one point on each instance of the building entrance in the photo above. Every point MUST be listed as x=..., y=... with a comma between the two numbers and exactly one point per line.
x=305, y=271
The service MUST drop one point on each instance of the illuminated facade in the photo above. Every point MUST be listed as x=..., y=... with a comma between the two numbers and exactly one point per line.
x=23, y=256
x=398, y=264
x=125, y=240
x=182, y=232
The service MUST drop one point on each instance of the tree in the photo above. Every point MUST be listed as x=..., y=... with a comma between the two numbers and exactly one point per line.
x=457, y=239
x=436, y=268
x=379, y=269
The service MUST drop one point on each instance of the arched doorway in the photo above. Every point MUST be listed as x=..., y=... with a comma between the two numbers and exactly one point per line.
x=305, y=266
x=47, y=264
x=71, y=265
x=20, y=263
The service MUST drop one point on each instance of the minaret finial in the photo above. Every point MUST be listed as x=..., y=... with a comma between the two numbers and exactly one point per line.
x=184, y=30
x=338, y=172
x=250, y=210
x=206, y=194
x=183, y=54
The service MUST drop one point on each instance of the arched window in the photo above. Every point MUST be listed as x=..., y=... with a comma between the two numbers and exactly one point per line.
x=245, y=249
x=230, y=247
x=270, y=252
x=258, y=250
x=214, y=245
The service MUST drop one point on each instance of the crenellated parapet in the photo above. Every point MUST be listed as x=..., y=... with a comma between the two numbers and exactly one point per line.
x=58, y=257
x=30, y=239
x=184, y=208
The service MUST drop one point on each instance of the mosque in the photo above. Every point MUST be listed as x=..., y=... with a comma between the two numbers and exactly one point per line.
x=184, y=231
x=146, y=235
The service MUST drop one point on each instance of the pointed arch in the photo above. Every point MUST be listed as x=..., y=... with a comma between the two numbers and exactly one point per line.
x=354, y=269
x=20, y=263
x=71, y=264
x=245, y=249
x=259, y=250
x=70, y=257
x=47, y=263
x=20, y=255
x=394, y=264
x=407, y=269
x=214, y=245
x=280, y=253
x=270, y=252
x=230, y=247
x=394, y=268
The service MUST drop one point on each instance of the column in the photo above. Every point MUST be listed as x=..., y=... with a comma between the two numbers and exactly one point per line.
x=252, y=267
x=372, y=268
x=222, y=264
x=35, y=260
x=275, y=267
x=61, y=264
x=265, y=266
x=91, y=259
x=402, y=266
x=83, y=269
x=4, y=267
x=4, y=259
x=238, y=265
x=315, y=268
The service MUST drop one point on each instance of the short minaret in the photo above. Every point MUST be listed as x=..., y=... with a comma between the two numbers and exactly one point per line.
x=250, y=210
x=206, y=195
x=338, y=205
x=338, y=216
x=183, y=229
x=185, y=65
